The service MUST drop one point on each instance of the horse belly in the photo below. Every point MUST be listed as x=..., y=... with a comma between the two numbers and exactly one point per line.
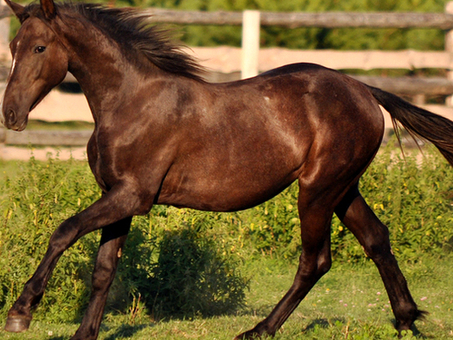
x=217, y=187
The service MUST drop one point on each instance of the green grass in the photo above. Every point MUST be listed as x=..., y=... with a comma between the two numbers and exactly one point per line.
x=348, y=303
x=9, y=169
x=67, y=125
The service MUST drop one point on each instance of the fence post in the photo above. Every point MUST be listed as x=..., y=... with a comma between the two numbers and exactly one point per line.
x=4, y=36
x=449, y=49
x=250, y=43
x=5, y=57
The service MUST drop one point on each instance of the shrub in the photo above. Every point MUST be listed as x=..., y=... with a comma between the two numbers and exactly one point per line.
x=411, y=194
x=33, y=204
x=190, y=277
x=180, y=262
x=164, y=251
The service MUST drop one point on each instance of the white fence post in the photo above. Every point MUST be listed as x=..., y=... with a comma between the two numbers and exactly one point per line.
x=4, y=36
x=449, y=49
x=250, y=43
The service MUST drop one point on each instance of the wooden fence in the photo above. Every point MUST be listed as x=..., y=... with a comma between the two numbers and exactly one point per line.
x=252, y=59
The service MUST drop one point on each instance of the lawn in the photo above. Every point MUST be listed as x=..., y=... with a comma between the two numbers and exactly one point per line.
x=348, y=303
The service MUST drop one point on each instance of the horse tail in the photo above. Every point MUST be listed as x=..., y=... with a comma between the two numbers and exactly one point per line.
x=418, y=122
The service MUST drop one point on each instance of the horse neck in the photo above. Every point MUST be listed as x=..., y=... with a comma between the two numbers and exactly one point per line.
x=97, y=63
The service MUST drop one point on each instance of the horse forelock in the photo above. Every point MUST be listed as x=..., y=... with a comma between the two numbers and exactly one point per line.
x=134, y=33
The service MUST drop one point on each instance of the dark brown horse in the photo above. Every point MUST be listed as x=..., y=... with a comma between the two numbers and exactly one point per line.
x=164, y=136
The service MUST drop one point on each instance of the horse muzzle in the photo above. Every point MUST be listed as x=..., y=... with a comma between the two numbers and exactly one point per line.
x=12, y=121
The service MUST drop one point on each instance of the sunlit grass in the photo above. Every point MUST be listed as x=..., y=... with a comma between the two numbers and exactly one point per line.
x=350, y=302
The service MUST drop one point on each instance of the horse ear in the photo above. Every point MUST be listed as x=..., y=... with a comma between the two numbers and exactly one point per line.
x=48, y=8
x=18, y=10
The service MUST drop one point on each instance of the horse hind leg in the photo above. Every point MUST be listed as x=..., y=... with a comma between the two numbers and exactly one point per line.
x=314, y=262
x=373, y=235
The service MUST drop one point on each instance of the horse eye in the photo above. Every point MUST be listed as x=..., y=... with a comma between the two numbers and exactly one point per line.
x=40, y=49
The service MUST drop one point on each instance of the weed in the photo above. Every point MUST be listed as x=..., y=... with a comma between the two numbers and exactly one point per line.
x=186, y=263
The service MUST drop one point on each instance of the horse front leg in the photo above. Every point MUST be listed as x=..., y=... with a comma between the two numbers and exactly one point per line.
x=116, y=205
x=110, y=250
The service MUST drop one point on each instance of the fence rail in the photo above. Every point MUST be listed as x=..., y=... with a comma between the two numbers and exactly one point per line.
x=367, y=60
x=228, y=59
x=275, y=57
x=442, y=21
x=45, y=137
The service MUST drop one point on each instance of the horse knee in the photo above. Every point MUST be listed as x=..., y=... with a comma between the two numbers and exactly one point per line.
x=314, y=269
x=324, y=265
x=63, y=237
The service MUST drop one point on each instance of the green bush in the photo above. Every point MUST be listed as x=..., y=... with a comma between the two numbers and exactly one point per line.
x=410, y=194
x=180, y=262
x=170, y=264
x=190, y=277
x=178, y=267
x=32, y=205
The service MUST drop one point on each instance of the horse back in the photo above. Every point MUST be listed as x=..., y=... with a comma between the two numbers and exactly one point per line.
x=251, y=139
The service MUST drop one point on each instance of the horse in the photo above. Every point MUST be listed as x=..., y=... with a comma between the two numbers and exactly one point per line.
x=163, y=135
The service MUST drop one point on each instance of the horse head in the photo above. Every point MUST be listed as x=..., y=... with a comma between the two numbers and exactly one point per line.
x=40, y=62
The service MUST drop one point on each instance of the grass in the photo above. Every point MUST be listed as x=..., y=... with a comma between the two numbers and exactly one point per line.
x=66, y=125
x=9, y=168
x=348, y=303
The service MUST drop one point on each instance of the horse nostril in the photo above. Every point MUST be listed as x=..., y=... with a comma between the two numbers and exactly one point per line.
x=10, y=116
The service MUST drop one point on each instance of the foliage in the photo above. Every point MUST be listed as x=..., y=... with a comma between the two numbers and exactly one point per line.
x=412, y=196
x=180, y=262
x=176, y=269
x=32, y=206
x=190, y=277
x=311, y=38
x=305, y=38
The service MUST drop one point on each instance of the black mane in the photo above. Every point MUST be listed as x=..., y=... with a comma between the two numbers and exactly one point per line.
x=132, y=30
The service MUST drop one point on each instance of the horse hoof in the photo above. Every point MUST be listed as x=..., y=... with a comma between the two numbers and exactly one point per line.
x=17, y=325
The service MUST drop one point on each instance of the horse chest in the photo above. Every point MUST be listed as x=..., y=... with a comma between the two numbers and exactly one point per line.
x=103, y=162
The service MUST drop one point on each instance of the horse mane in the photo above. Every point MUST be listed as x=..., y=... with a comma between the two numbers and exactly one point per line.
x=135, y=35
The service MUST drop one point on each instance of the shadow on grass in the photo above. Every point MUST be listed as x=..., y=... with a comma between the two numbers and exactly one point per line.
x=322, y=323
x=261, y=311
x=119, y=332
x=126, y=331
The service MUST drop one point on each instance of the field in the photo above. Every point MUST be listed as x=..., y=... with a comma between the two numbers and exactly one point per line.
x=348, y=303
x=247, y=260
